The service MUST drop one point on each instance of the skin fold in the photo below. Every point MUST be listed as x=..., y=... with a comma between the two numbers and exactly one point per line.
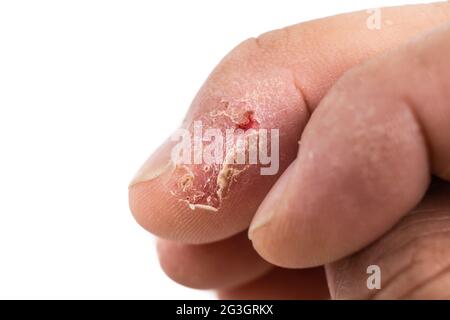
x=414, y=256
x=369, y=110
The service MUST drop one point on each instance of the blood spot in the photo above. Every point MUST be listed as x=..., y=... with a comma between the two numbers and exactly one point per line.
x=248, y=121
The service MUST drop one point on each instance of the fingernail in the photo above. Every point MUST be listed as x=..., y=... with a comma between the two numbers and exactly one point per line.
x=158, y=163
x=272, y=203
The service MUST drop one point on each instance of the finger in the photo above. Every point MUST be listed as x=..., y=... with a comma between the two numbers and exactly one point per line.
x=365, y=157
x=413, y=258
x=268, y=82
x=283, y=284
x=215, y=265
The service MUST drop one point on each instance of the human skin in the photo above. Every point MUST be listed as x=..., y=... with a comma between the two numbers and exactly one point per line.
x=370, y=109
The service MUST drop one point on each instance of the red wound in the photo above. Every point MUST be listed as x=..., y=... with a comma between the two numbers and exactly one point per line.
x=248, y=122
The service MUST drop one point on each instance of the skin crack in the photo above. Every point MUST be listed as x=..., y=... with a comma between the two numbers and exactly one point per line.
x=204, y=186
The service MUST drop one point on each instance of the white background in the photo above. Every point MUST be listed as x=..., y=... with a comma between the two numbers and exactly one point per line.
x=87, y=90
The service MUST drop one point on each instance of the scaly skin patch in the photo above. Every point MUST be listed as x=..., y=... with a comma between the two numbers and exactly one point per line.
x=204, y=186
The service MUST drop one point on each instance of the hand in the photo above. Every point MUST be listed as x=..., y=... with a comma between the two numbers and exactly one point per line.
x=371, y=112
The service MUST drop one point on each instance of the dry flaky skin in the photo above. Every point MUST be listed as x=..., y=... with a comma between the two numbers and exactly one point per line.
x=204, y=186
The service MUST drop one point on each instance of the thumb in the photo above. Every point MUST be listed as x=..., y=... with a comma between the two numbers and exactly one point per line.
x=267, y=82
x=365, y=157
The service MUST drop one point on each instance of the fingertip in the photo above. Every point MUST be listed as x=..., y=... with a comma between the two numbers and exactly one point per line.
x=157, y=211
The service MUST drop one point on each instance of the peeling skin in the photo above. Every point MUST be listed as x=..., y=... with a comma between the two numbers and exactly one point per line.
x=201, y=206
x=203, y=186
x=186, y=181
x=227, y=175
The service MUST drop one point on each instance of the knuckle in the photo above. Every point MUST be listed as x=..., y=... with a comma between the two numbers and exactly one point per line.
x=426, y=264
x=414, y=259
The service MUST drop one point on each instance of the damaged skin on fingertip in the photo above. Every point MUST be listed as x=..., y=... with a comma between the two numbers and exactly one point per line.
x=204, y=185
